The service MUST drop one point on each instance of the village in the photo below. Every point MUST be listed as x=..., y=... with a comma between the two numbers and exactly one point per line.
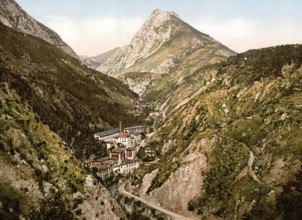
x=122, y=146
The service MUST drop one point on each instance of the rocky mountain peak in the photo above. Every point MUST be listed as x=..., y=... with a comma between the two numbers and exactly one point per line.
x=162, y=42
x=13, y=16
x=148, y=39
x=152, y=34
x=159, y=13
x=157, y=27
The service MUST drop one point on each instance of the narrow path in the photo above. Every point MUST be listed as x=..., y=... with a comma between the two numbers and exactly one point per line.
x=176, y=216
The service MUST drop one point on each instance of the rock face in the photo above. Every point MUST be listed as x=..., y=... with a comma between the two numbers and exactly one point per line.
x=183, y=185
x=13, y=16
x=162, y=43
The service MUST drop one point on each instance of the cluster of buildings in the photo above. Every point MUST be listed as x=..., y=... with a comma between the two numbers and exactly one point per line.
x=123, y=145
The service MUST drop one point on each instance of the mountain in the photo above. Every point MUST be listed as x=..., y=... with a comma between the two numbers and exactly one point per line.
x=95, y=62
x=50, y=107
x=232, y=146
x=39, y=177
x=13, y=16
x=72, y=99
x=162, y=43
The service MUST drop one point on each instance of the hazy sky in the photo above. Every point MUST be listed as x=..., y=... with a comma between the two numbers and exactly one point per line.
x=92, y=27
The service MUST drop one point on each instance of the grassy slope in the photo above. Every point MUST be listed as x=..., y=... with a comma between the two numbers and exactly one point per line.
x=73, y=100
x=39, y=177
x=252, y=104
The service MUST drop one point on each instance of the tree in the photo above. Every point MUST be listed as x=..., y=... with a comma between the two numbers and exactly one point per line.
x=141, y=154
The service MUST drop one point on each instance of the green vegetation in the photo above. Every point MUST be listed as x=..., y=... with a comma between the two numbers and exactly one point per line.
x=138, y=175
x=138, y=210
x=251, y=105
x=47, y=176
x=13, y=202
x=250, y=131
x=163, y=174
x=73, y=100
x=226, y=162
x=53, y=208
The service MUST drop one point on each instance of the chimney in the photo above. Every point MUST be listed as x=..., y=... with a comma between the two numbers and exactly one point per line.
x=120, y=126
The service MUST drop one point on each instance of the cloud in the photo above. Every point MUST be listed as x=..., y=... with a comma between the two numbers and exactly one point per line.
x=93, y=36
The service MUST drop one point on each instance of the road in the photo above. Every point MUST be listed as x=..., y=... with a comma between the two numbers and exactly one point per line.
x=176, y=216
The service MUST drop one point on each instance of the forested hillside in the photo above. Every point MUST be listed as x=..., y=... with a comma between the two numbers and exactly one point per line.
x=40, y=178
x=72, y=99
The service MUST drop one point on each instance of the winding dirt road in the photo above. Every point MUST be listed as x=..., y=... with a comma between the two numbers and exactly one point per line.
x=174, y=215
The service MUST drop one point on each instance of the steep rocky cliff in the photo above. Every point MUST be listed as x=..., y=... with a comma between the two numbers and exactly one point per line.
x=162, y=43
x=231, y=149
x=13, y=16
x=39, y=177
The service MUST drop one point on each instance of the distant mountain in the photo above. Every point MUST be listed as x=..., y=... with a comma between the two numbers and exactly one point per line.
x=90, y=62
x=95, y=62
x=13, y=16
x=162, y=43
x=104, y=56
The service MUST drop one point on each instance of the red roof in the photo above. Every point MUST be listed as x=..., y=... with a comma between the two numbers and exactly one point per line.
x=109, y=162
x=124, y=135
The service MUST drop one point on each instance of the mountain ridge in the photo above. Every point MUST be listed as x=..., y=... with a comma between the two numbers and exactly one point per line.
x=96, y=61
x=13, y=16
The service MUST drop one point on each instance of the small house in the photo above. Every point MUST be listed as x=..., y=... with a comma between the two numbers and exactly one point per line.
x=125, y=139
x=128, y=166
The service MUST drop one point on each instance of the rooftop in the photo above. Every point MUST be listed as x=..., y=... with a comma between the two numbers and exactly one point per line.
x=130, y=161
x=108, y=132
x=136, y=126
x=136, y=133
x=120, y=150
x=124, y=135
x=103, y=159
x=110, y=162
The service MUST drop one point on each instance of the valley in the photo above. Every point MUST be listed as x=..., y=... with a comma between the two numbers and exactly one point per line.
x=174, y=125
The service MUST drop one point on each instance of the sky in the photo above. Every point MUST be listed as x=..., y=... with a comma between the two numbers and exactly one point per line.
x=92, y=27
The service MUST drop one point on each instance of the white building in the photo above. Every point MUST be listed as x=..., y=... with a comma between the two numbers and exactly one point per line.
x=125, y=139
x=128, y=166
x=107, y=135
x=138, y=128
